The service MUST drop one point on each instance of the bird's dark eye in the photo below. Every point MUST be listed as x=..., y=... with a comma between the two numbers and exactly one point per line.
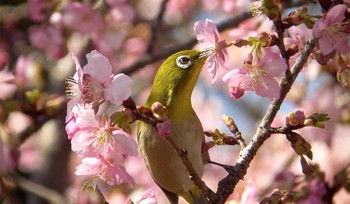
x=183, y=61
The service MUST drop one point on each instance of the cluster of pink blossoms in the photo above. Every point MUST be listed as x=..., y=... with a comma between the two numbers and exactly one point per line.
x=261, y=73
x=102, y=146
x=209, y=38
x=259, y=76
x=333, y=32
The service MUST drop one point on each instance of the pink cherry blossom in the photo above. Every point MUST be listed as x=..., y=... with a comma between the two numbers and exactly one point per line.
x=7, y=84
x=332, y=32
x=122, y=13
x=209, y=38
x=96, y=137
x=299, y=35
x=112, y=174
x=95, y=83
x=258, y=76
x=101, y=83
x=74, y=88
x=71, y=127
x=164, y=128
x=147, y=197
x=7, y=163
x=109, y=41
x=79, y=17
x=28, y=73
x=37, y=9
x=317, y=189
x=40, y=35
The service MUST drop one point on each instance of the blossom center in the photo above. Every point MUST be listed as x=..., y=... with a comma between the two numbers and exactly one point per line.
x=256, y=73
x=104, y=136
x=337, y=30
x=92, y=90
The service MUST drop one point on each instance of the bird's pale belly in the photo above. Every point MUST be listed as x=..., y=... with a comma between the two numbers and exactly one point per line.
x=164, y=164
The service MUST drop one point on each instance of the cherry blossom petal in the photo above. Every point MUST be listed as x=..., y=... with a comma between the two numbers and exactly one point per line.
x=336, y=14
x=326, y=46
x=274, y=64
x=207, y=33
x=7, y=84
x=148, y=197
x=127, y=145
x=89, y=166
x=98, y=67
x=116, y=175
x=81, y=142
x=71, y=128
x=85, y=117
x=273, y=88
x=119, y=89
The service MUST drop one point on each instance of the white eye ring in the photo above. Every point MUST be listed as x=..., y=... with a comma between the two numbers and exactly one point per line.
x=184, y=61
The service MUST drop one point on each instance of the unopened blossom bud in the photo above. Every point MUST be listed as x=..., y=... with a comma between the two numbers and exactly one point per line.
x=230, y=123
x=235, y=92
x=343, y=73
x=249, y=59
x=296, y=17
x=317, y=120
x=164, y=128
x=159, y=111
x=309, y=122
x=207, y=145
x=240, y=43
x=343, y=77
x=295, y=118
x=293, y=50
x=266, y=39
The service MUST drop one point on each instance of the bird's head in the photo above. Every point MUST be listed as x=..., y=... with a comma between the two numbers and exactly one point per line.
x=177, y=76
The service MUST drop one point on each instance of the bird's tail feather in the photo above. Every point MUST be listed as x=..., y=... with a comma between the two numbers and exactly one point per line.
x=195, y=196
x=198, y=198
x=172, y=197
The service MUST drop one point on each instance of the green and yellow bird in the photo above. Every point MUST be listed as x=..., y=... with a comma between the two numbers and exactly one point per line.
x=173, y=86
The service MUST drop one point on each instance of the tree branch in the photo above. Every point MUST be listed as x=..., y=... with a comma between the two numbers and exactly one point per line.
x=155, y=25
x=227, y=185
x=148, y=59
x=39, y=190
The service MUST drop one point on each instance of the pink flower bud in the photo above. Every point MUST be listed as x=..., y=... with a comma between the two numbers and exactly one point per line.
x=159, y=111
x=163, y=128
x=295, y=118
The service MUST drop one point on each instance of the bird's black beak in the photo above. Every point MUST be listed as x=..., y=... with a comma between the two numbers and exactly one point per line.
x=203, y=54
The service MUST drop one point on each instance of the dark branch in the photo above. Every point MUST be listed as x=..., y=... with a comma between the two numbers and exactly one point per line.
x=227, y=185
x=155, y=26
x=148, y=59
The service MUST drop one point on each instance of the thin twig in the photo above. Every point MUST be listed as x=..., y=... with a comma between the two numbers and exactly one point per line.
x=230, y=123
x=227, y=185
x=227, y=24
x=145, y=115
x=39, y=190
x=192, y=172
x=155, y=26
x=148, y=59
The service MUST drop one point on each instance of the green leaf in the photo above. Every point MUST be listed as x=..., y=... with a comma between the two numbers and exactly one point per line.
x=32, y=96
x=121, y=120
